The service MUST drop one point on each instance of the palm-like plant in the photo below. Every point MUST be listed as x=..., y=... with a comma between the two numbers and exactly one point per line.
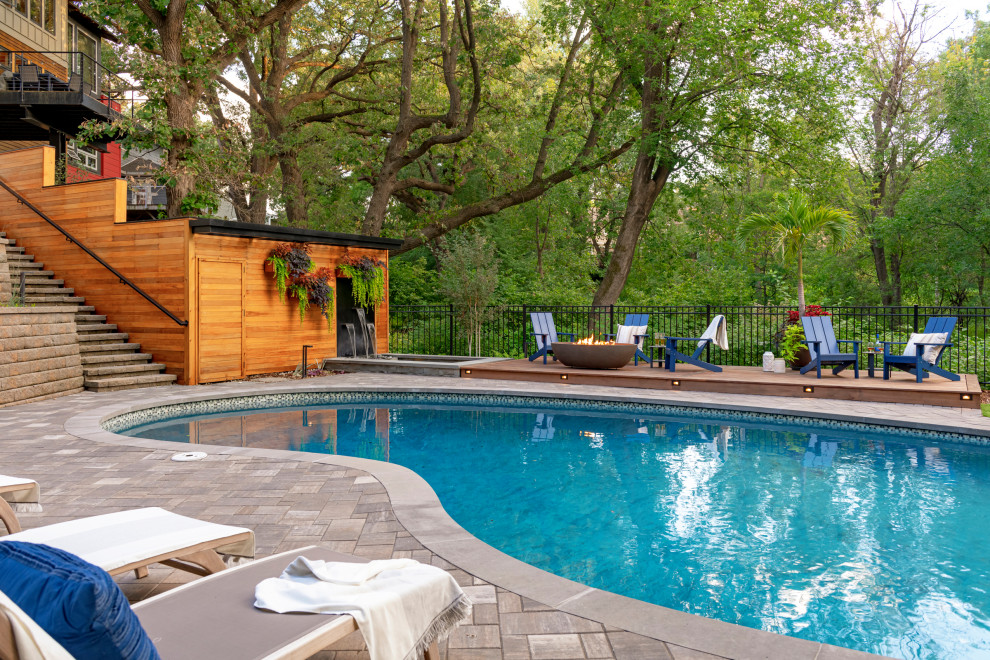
x=794, y=223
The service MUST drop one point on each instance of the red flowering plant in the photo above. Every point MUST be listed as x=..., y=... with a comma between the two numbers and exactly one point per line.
x=809, y=310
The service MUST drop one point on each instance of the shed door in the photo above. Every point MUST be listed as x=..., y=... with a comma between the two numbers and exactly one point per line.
x=221, y=320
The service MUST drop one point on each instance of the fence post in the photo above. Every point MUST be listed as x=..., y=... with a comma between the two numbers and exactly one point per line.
x=523, y=335
x=915, y=318
x=708, y=346
x=450, y=310
x=611, y=318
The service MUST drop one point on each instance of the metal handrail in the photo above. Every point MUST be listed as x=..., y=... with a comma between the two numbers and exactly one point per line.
x=72, y=239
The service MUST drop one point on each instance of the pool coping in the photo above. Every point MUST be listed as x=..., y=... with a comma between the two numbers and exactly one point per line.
x=418, y=509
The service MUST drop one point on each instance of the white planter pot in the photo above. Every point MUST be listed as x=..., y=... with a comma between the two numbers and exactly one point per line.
x=779, y=366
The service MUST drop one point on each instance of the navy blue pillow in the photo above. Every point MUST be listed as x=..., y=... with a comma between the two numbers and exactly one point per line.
x=75, y=602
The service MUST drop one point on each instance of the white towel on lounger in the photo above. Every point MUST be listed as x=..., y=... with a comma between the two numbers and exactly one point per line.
x=24, y=496
x=716, y=332
x=401, y=606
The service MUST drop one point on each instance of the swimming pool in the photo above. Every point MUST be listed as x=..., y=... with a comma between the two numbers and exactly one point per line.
x=833, y=533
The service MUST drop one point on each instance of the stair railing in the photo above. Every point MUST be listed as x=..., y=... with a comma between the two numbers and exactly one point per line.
x=72, y=239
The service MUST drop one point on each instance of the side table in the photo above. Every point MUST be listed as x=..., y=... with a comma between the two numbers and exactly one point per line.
x=659, y=349
x=871, y=361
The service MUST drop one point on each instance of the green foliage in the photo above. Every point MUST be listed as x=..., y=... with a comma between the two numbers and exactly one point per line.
x=367, y=280
x=280, y=271
x=301, y=294
x=985, y=407
x=468, y=280
x=790, y=343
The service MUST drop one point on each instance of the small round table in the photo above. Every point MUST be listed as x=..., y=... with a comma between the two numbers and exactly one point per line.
x=659, y=349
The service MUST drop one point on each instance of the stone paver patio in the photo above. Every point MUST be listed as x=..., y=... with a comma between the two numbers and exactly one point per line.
x=296, y=500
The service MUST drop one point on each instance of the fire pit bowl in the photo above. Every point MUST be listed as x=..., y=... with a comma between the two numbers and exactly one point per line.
x=594, y=356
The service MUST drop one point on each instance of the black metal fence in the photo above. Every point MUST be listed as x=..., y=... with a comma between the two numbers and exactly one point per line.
x=752, y=330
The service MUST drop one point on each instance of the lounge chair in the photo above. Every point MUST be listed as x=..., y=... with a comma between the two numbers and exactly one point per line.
x=216, y=618
x=545, y=334
x=824, y=347
x=132, y=540
x=19, y=492
x=715, y=333
x=632, y=331
x=923, y=352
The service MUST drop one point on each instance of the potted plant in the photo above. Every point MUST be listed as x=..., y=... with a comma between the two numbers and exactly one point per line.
x=790, y=338
x=293, y=271
x=367, y=277
x=286, y=263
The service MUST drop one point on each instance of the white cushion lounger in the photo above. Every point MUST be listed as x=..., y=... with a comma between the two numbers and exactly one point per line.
x=131, y=540
x=215, y=618
x=17, y=492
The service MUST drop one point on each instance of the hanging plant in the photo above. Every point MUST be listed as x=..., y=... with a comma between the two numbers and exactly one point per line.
x=367, y=280
x=314, y=289
x=321, y=293
x=289, y=261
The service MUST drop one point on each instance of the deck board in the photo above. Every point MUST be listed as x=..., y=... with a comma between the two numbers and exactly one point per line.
x=901, y=388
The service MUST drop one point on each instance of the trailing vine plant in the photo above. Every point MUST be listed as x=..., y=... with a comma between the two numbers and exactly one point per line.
x=367, y=280
x=293, y=272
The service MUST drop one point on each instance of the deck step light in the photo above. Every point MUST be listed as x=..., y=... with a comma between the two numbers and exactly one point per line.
x=467, y=371
x=966, y=397
x=809, y=389
x=675, y=383
x=563, y=376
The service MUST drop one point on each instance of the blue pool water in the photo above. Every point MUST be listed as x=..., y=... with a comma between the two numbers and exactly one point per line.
x=874, y=541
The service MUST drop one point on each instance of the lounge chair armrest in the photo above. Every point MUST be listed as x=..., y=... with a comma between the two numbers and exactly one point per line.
x=609, y=336
x=684, y=338
x=946, y=345
x=893, y=342
x=809, y=342
x=566, y=334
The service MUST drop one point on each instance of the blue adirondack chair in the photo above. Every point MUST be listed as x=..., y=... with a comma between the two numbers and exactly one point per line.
x=636, y=320
x=824, y=347
x=916, y=364
x=545, y=334
x=673, y=356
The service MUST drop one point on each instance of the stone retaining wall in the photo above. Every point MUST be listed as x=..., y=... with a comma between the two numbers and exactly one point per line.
x=6, y=287
x=39, y=354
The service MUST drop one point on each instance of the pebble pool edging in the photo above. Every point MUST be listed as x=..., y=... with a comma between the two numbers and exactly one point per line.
x=121, y=423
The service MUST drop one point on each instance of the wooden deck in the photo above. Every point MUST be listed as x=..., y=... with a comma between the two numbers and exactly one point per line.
x=901, y=388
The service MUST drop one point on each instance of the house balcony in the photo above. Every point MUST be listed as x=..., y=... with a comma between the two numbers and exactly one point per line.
x=45, y=90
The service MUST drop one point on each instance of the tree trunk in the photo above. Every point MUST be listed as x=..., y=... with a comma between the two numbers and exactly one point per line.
x=800, y=274
x=293, y=189
x=182, y=120
x=642, y=196
x=880, y=263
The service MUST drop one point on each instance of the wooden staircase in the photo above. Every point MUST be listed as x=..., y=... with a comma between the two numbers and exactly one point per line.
x=109, y=361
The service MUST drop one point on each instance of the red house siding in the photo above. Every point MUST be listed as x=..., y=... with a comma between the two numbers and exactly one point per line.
x=109, y=167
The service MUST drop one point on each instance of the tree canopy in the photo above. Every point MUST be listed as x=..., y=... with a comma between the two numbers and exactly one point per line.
x=607, y=150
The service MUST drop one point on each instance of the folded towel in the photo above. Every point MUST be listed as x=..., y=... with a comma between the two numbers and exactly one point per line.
x=401, y=606
x=716, y=332
x=24, y=495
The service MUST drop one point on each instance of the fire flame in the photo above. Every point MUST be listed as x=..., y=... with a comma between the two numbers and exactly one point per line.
x=591, y=341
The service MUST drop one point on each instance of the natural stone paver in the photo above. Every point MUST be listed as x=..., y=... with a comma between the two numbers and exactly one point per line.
x=293, y=503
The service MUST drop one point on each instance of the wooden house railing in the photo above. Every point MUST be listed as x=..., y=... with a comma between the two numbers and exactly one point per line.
x=72, y=239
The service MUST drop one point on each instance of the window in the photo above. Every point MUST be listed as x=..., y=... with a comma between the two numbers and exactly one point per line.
x=85, y=158
x=41, y=12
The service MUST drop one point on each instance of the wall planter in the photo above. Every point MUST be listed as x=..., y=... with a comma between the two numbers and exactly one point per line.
x=367, y=277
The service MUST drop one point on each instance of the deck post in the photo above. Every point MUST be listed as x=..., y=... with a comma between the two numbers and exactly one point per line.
x=915, y=319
